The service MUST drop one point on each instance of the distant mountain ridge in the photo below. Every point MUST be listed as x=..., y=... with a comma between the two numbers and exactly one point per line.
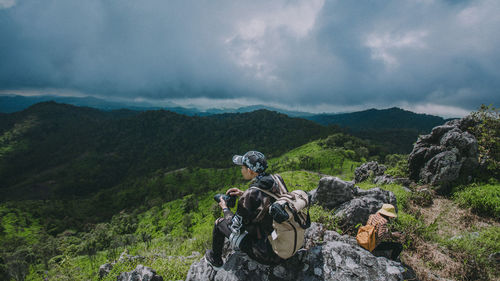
x=14, y=103
x=395, y=128
x=391, y=118
x=60, y=150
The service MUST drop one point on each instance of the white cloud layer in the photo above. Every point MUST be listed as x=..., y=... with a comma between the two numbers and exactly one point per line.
x=300, y=53
x=5, y=4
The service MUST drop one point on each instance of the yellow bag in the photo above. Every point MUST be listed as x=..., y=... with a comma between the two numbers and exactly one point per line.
x=366, y=237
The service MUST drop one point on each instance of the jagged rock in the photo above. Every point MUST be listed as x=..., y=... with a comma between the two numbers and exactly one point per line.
x=448, y=153
x=368, y=169
x=336, y=257
x=140, y=273
x=124, y=257
x=332, y=192
x=388, y=179
x=495, y=257
x=367, y=202
x=105, y=269
x=353, y=205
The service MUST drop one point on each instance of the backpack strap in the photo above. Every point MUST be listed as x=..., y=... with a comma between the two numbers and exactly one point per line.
x=296, y=216
x=266, y=192
x=281, y=185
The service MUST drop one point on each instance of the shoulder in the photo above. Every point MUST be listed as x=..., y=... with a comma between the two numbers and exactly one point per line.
x=265, y=182
x=251, y=193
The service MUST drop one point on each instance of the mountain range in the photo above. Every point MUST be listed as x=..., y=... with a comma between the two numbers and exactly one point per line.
x=57, y=150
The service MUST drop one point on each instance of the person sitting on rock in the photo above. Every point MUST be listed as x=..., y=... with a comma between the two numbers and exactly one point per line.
x=380, y=220
x=248, y=229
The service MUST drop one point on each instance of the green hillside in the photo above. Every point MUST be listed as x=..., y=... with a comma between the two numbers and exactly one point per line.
x=167, y=232
x=394, y=129
x=56, y=151
x=88, y=185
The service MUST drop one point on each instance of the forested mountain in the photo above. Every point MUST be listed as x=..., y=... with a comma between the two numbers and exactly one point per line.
x=391, y=118
x=394, y=128
x=53, y=150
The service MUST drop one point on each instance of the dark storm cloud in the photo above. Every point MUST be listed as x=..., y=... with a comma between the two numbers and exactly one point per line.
x=310, y=52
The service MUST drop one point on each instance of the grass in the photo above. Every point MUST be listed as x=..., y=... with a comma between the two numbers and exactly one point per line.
x=482, y=199
x=316, y=158
x=180, y=227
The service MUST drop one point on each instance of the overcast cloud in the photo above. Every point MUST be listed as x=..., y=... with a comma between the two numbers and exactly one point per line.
x=315, y=55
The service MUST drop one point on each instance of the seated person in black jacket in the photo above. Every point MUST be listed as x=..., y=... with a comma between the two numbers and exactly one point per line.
x=248, y=229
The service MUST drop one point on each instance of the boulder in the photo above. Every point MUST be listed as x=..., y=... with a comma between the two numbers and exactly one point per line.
x=367, y=202
x=105, y=269
x=140, y=273
x=124, y=257
x=368, y=169
x=444, y=156
x=336, y=257
x=332, y=192
x=352, y=204
x=388, y=179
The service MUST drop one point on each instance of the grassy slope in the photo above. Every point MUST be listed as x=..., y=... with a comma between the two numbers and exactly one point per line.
x=179, y=228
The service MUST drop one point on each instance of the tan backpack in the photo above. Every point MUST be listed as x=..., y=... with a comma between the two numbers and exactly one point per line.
x=366, y=237
x=288, y=235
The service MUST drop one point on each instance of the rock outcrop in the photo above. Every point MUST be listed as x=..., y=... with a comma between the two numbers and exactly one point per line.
x=140, y=273
x=368, y=169
x=336, y=257
x=124, y=257
x=388, y=179
x=352, y=204
x=448, y=153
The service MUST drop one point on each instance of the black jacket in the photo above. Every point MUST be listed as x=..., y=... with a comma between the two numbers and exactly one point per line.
x=253, y=207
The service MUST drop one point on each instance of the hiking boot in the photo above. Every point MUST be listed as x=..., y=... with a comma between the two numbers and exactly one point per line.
x=211, y=259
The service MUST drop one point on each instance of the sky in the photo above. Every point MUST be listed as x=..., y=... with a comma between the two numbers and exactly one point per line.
x=434, y=56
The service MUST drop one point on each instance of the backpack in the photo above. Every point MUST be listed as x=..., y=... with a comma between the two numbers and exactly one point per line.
x=289, y=219
x=366, y=237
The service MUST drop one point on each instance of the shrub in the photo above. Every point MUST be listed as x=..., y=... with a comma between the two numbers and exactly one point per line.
x=487, y=132
x=397, y=165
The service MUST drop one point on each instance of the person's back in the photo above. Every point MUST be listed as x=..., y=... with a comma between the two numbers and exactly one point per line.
x=248, y=229
x=380, y=224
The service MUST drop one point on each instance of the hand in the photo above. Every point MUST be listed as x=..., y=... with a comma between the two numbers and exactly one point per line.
x=234, y=192
x=222, y=204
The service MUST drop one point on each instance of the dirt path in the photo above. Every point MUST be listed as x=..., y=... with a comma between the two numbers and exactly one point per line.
x=434, y=262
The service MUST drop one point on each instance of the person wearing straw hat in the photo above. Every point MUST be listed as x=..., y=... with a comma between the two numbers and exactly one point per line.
x=380, y=220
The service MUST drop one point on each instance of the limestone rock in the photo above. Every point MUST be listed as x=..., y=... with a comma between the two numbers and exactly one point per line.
x=445, y=155
x=367, y=202
x=105, y=269
x=140, y=273
x=332, y=192
x=368, y=169
x=352, y=204
x=336, y=257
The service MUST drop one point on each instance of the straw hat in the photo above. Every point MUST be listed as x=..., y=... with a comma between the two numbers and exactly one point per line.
x=388, y=210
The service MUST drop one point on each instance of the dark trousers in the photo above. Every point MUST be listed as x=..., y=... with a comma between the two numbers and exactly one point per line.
x=259, y=250
x=394, y=247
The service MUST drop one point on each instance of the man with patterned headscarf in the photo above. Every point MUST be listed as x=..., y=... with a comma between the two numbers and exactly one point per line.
x=248, y=229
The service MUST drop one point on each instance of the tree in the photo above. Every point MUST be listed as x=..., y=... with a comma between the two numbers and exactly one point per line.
x=487, y=131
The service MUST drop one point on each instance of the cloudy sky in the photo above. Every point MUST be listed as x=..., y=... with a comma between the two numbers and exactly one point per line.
x=435, y=56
